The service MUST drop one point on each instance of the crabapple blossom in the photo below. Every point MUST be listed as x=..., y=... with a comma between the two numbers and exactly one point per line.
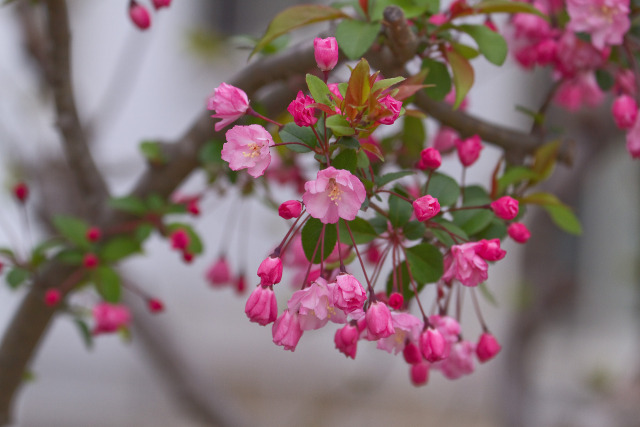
x=487, y=348
x=247, y=147
x=286, y=330
x=430, y=158
x=391, y=108
x=459, y=362
x=334, y=194
x=506, y=207
x=302, y=114
x=445, y=139
x=348, y=294
x=438, y=19
x=139, y=15
x=290, y=209
x=518, y=232
x=315, y=306
x=396, y=301
x=346, y=340
x=179, y=239
x=469, y=150
x=326, y=52
x=432, y=345
x=606, y=20
x=155, y=305
x=582, y=90
x=419, y=373
x=379, y=322
x=219, y=273
x=464, y=264
x=261, y=306
x=270, y=271
x=625, y=111
x=406, y=327
x=490, y=250
x=110, y=317
x=90, y=261
x=230, y=103
x=411, y=353
x=426, y=207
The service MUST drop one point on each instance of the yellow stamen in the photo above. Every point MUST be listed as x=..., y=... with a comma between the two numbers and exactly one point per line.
x=253, y=150
x=335, y=194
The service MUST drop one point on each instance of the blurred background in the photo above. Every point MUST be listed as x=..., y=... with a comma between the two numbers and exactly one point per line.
x=567, y=307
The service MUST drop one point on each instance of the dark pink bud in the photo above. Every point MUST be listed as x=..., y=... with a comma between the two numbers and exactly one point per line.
x=391, y=108
x=302, y=116
x=158, y=4
x=241, y=284
x=426, y=207
x=373, y=254
x=419, y=374
x=179, y=239
x=487, y=347
x=490, y=25
x=110, y=317
x=290, y=209
x=505, y=207
x=412, y=353
x=139, y=15
x=432, y=345
x=518, y=232
x=286, y=330
x=625, y=111
x=193, y=207
x=396, y=301
x=469, y=150
x=326, y=53
x=93, y=234
x=490, y=250
x=430, y=158
x=187, y=257
x=262, y=307
x=52, y=297
x=270, y=271
x=155, y=305
x=90, y=261
x=346, y=340
x=21, y=192
x=219, y=273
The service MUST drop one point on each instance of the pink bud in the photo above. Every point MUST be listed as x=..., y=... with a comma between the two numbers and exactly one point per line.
x=625, y=111
x=286, y=330
x=158, y=4
x=438, y=19
x=432, y=345
x=90, y=261
x=419, y=374
x=490, y=24
x=155, y=305
x=270, y=271
x=346, y=340
x=193, y=207
x=469, y=150
x=490, y=250
x=230, y=103
x=445, y=139
x=93, y=234
x=379, y=323
x=302, y=116
x=326, y=53
x=426, y=207
x=110, y=317
x=518, y=232
x=391, y=110
x=262, y=307
x=412, y=353
x=487, y=347
x=373, y=254
x=241, y=284
x=633, y=140
x=505, y=207
x=179, y=239
x=290, y=209
x=52, y=297
x=21, y=192
x=546, y=51
x=219, y=273
x=187, y=257
x=139, y=15
x=396, y=301
x=430, y=158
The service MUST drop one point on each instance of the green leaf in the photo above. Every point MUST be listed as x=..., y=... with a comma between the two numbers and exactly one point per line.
x=358, y=90
x=363, y=160
x=312, y=236
x=72, y=229
x=70, y=256
x=413, y=136
x=467, y=52
x=107, y=283
x=399, y=211
x=544, y=159
x=473, y=221
x=156, y=203
x=17, y=276
x=463, y=75
x=129, y=204
x=414, y=230
x=347, y=159
x=143, y=232
x=296, y=17
x=118, y=248
x=356, y=37
x=349, y=142
x=362, y=231
x=411, y=8
x=438, y=79
x=319, y=90
x=291, y=132
x=85, y=333
x=540, y=198
x=195, y=243
x=392, y=176
x=385, y=83
x=339, y=125
x=476, y=195
x=497, y=229
x=444, y=236
x=426, y=263
x=443, y=188
x=507, y=6
x=491, y=44
x=515, y=175
x=605, y=79
x=563, y=217
x=211, y=153
x=152, y=150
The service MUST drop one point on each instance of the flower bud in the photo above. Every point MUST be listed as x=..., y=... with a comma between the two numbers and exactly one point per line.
x=229, y=103
x=52, y=297
x=625, y=111
x=346, y=340
x=21, y=192
x=432, y=345
x=469, y=150
x=391, y=110
x=158, y=4
x=379, y=323
x=419, y=374
x=326, y=53
x=270, y=271
x=262, y=307
x=302, y=116
x=286, y=330
x=505, y=207
x=93, y=234
x=155, y=305
x=90, y=261
x=290, y=209
x=412, y=353
x=430, y=158
x=396, y=301
x=519, y=232
x=487, y=347
x=219, y=273
x=139, y=15
x=179, y=239
x=490, y=250
x=110, y=317
x=426, y=207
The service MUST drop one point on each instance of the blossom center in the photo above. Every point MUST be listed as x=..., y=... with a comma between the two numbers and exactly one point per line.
x=335, y=194
x=253, y=150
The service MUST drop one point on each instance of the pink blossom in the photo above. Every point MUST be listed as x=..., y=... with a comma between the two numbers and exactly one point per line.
x=286, y=330
x=583, y=90
x=469, y=150
x=625, y=111
x=445, y=139
x=396, y=301
x=464, y=264
x=315, y=306
x=90, y=261
x=93, y=234
x=606, y=20
x=426, y=207
x=379, y=323
x=335, y=194
x=139, y=15
x=302, y=115
x=219, y=273
x=262, y=307
x=518, y=232
x=411, y=353
x=21, y=192
x=391, y=110
x=531, y=26
x=575, y=56
x=432, y=345
x=459, y=362
x=546, y=51
x=161, y=3
x=110, y=317
x=487, y=348
x=348, y=294
x=247, y=147
x=430, y=158
x=230, y=103
x=633, y=140
x=506, y=207
x=419, y=373
x=438, y=19
x=290, y=209
x=490, y=250
x=625, y=82
x=326, y=53
x=270, y=271
x=406, y=327
x=52, y=297
x=179, y=239
x=447, y=325
x=346, y=340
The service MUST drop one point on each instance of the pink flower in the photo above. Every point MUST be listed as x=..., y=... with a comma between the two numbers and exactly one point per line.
x=290, y=209
x=396, y=301
x=326, y=53
x=426, y=207
x=348, y=293
x=546, y=51
x=139, y=15
x=469, y=150
x=302, y=115
x=21, y=192
x=625, y=111
x=346, y=340
x=219, y=273
x=93, y=234
x=52, y=297
x=445, y=139
x=391, y=110
x=438, y=19
x=270, y=271
x=625, y=82
x=419, y=373
x=406, y=327
x=531, y=26
x=262, y=307
x=229, y=103
x=158, y=4
x=606, y=20
x=110, y=317
x=505, y=207
x=464, y=264
x=459, y=362
x=411, y=353
x=582, y=90
x=247, y=147
x=430, y=158
x=315, y=307
x=433, y=345
x=90, y=261
x=575, y=56
x=379, y=323
x=335, y=194
x=487, y=347
x=286, y=330
x=179, y=239
x=490, y=250
x=633, y=140
x=518, y=232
